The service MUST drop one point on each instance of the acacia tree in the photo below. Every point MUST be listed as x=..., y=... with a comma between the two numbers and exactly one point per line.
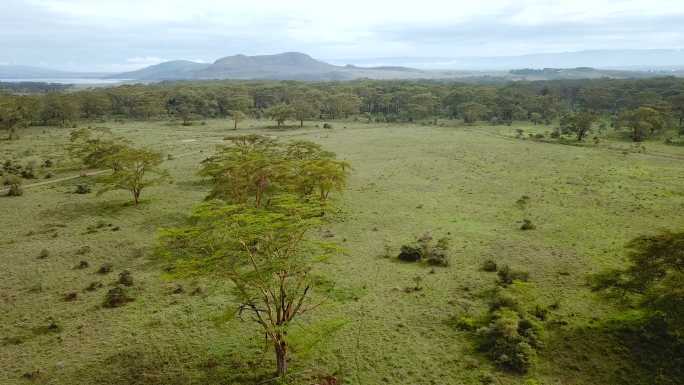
x=237, y=116
x=13, y=116
x=472, y=111
x=280, y=113
x=133, y=169
x=250, y=168
x=92, y=147
x=256, y=169
x=305, y=106
x=265, y=253
x=580, y=123
x=641, y=122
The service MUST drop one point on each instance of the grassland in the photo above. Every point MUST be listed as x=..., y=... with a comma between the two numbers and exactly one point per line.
x=456, y=181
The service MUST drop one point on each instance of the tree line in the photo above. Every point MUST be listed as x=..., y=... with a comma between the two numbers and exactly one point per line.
x=643, y=107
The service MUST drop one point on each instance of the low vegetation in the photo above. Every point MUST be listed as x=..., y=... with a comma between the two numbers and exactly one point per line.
x=262, y=255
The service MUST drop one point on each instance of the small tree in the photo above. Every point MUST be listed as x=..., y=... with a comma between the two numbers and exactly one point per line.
x=131, y=170
x=579, y=123
x=13, y=116
x=305, y=107
x=265, y=254
x=237, y=116
x=641, y=122
x=280, y=113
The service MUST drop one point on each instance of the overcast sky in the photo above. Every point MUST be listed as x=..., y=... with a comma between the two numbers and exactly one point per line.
x=117, y=35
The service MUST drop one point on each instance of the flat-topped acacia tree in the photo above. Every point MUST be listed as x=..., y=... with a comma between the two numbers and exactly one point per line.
x=256, y=168
x=265, y=253
x=132, y=169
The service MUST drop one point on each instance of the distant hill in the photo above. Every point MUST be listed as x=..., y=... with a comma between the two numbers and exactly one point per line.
x=300, y=66
x=284, y=66
x=170, y=70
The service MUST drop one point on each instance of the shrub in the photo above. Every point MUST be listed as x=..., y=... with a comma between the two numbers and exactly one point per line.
x=116, y=297
x=28, y=171
x=466, y=323
x=44, y=254
x=527, y=225
x=509, y=340
x=82, y=189
x=15, y=190
x=489, y=266
x=424, y=249
x=14, y=183
x=507, y=275
x=410, y=253
x=438, y=255
x=125, y=278
x=327, y=126
x=105, y=268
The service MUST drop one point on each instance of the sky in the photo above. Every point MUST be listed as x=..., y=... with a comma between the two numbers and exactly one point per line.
x=121, y=35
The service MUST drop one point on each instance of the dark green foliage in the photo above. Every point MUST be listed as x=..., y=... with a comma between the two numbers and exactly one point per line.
x=327, y=126
x=424, y=249
x=44, y=254
x=489, y=266
x=508, y=338
x=409, y=253
x=125, y=278
x=14, y=184
x=653, y=280
x=106, y=268
x=116, y=297
x=527, y=225
x=82, y=189
x=507, y=275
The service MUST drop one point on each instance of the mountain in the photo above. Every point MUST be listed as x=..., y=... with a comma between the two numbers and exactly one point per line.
x=170, y=70
x=284, y=66
x=288, y=65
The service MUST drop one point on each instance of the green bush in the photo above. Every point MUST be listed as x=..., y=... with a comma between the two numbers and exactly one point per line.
x=424, y=249
x=14, y=183
x=509, y=340
x=527, y=225
x=507, y=275
x=409, y=253
x=489, y=266
x=82, y=189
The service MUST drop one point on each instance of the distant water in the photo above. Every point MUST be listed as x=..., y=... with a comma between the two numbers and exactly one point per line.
x=66, y=81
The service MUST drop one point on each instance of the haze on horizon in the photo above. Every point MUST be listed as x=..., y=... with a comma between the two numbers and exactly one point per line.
x=122, y=35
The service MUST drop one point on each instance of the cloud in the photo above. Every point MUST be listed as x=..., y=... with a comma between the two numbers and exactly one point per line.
x=99, y=34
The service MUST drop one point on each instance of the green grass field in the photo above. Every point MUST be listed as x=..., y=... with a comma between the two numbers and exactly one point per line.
x=462, y=182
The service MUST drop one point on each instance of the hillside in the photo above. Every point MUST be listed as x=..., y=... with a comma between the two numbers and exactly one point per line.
x=171, y=70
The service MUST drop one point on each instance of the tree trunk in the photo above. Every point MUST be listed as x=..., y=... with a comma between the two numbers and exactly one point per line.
x=235, y=125
x=301, y=123
x=281, y=358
